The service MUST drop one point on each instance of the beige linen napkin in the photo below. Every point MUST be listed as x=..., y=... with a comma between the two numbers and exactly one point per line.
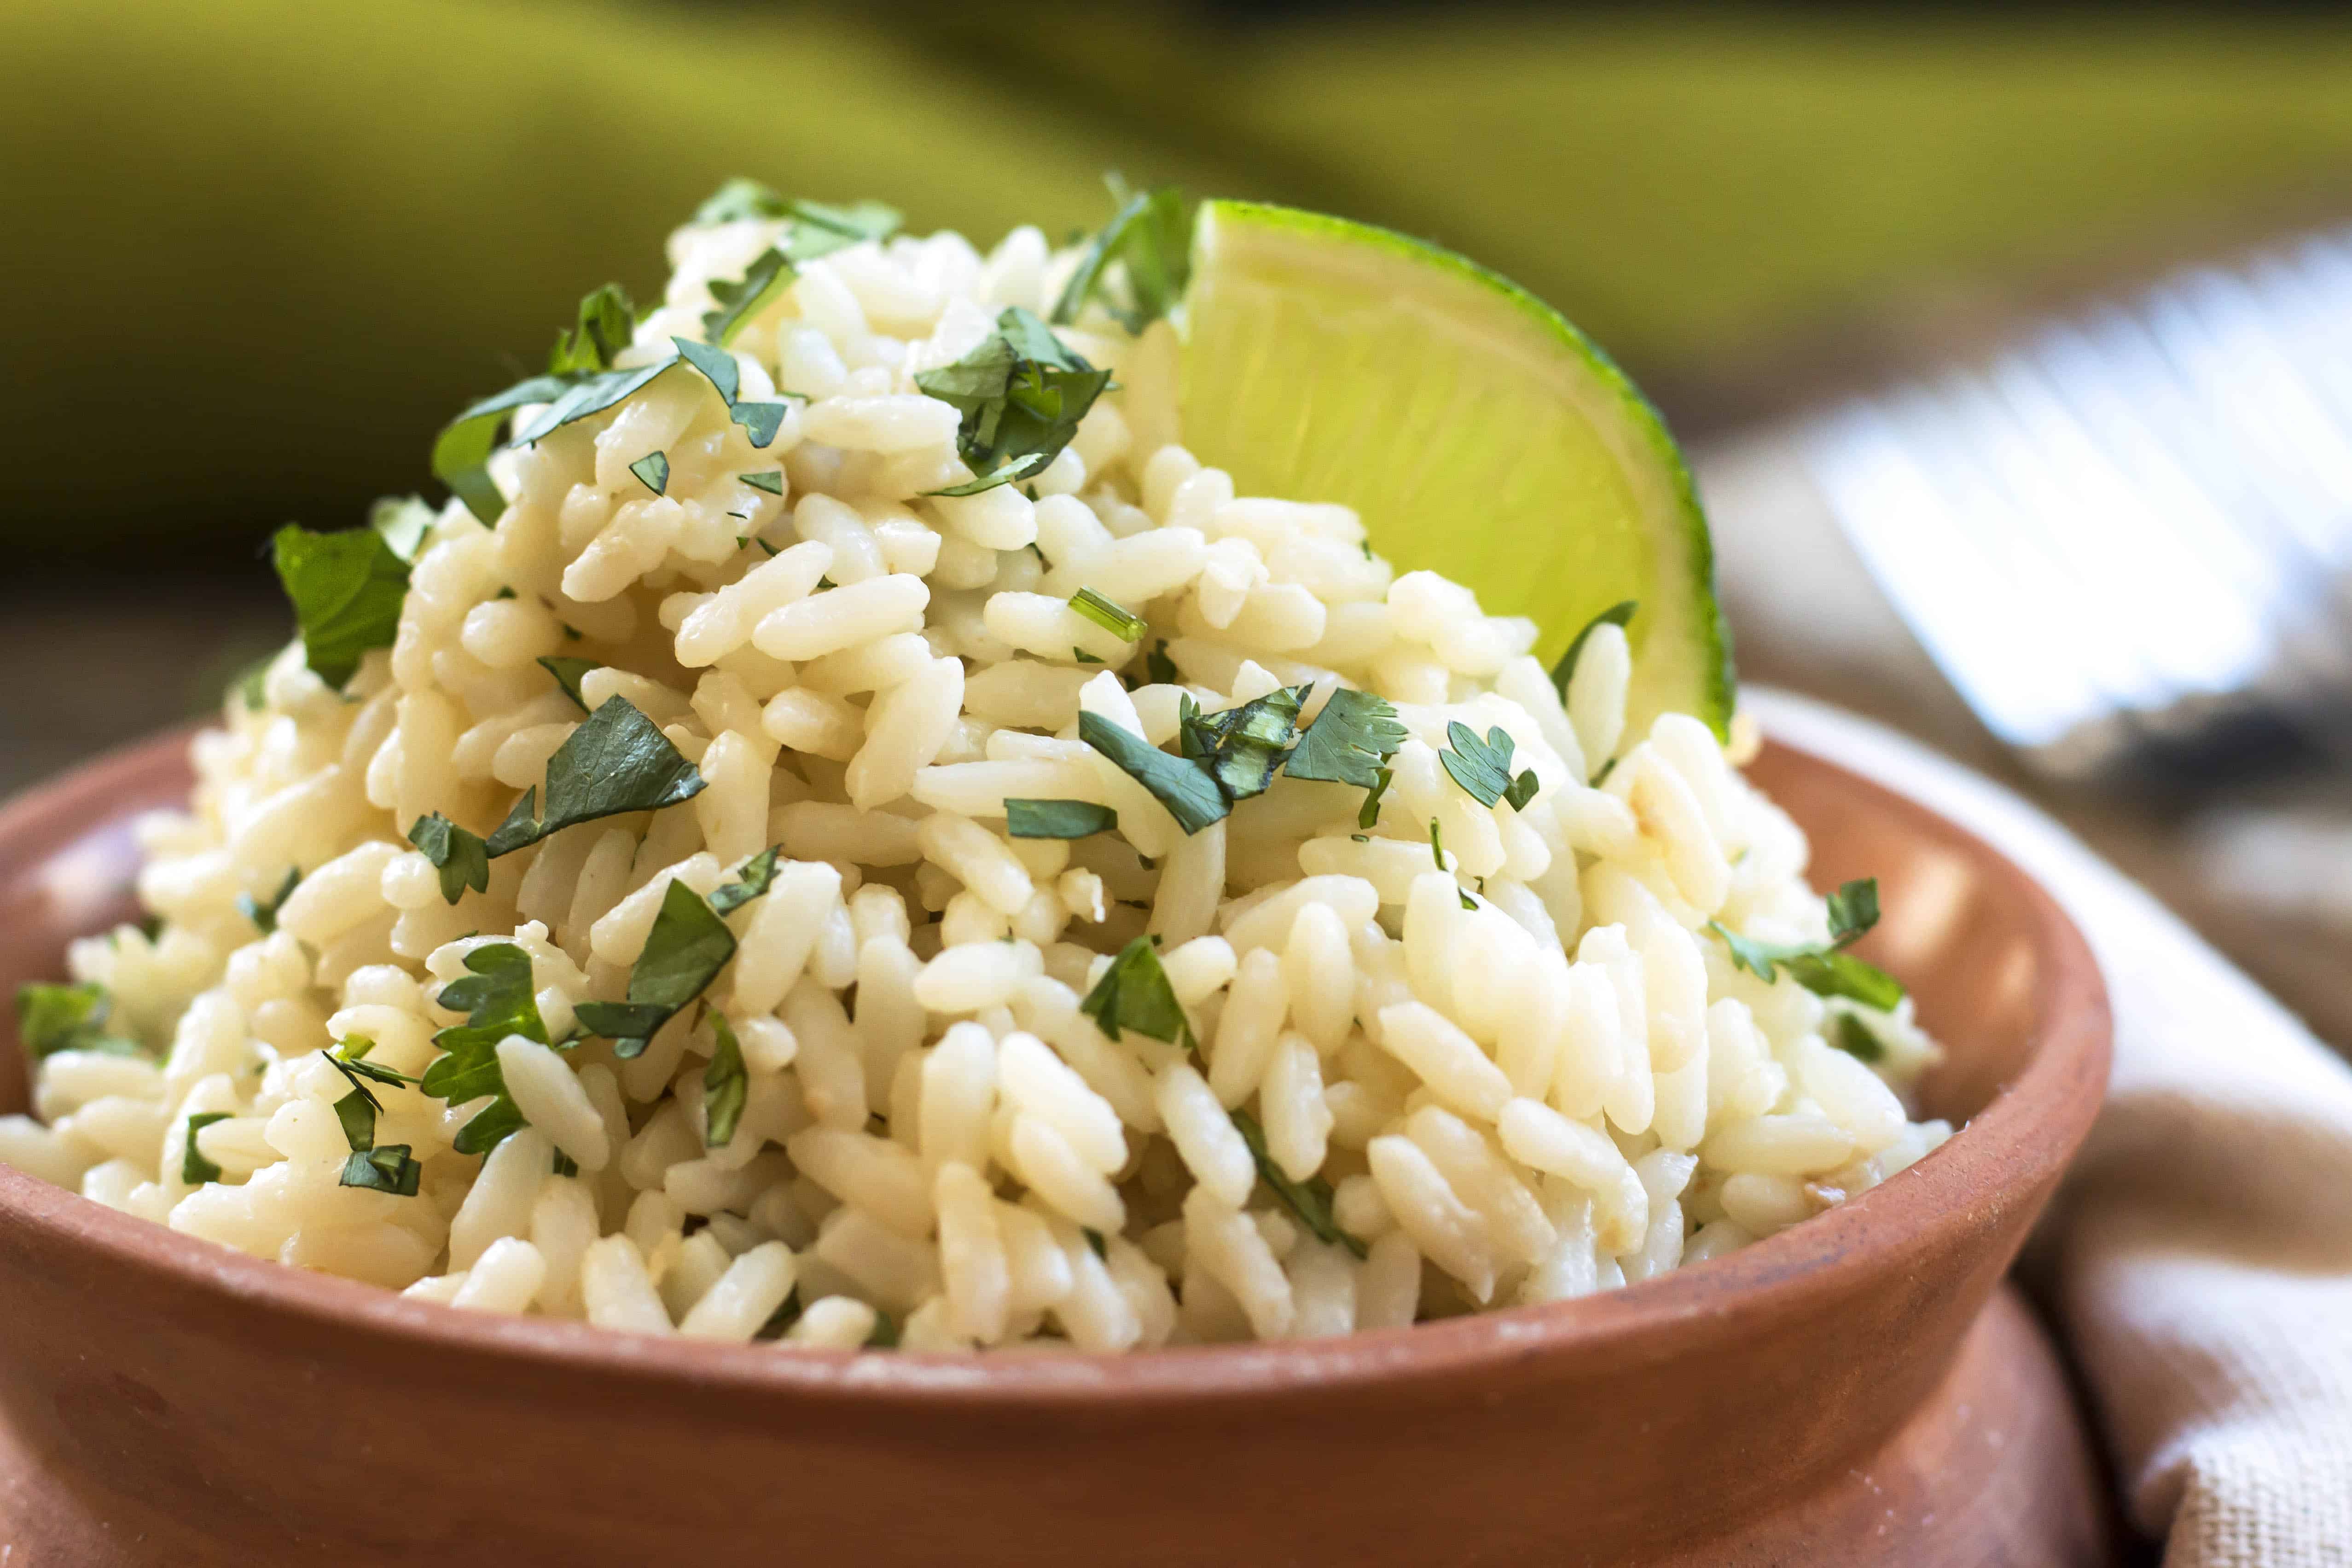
x=2200, y=1259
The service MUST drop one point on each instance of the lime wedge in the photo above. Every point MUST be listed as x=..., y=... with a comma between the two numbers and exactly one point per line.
x=1474, y=429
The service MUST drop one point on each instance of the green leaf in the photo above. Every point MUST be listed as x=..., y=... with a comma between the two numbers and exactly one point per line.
x=653, y=471
x=618, y=761
x=1483, y=768
x=251, y=684
x=772, y=480
x=357, y=1111
x=346, y=589
x=819, y=228
x=1115, y=618
x=263, y=912
x=1058, y=818
x=739, y=199
x=461, y=858
x=1823, y=968
x=760, y=422
x=1188, y=792
x=562, y=1164
x=1150, y=238
x=1097, y=1242
x=387, y=1170
x=1160, y=667
x=1355, y=733
x=195, y=1169
x=684, y=952
x=754, y=880
x=607, y=318
x=1523, y=789
x=496, y=997
x=1856, y=1039
x=1310, y=1200
x=1243, y=746
x=1436, y=845
x=726, y=1084
x=717, y=365
x=1370, y=815
x=461, y=453
x=740, y=300
x=403, y=521
x=1134, y=993
x=568, y=672
x=1022, y=393
x=1617, y=614
x=52, y=1018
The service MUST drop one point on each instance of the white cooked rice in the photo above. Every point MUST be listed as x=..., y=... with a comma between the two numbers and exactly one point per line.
x=1519, y=1076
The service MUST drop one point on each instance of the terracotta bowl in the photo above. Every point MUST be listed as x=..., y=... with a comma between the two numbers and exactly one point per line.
x=1859, y=1389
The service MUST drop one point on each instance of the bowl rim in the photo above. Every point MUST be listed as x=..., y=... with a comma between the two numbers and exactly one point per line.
x=2017, y=1142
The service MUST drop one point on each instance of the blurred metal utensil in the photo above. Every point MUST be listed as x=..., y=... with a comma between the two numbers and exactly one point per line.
x=2127, y=542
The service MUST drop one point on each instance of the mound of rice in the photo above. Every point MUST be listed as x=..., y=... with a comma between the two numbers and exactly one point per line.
x=1318, y=1064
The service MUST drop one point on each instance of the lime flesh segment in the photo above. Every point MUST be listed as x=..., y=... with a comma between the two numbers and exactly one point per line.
x=1476, y=431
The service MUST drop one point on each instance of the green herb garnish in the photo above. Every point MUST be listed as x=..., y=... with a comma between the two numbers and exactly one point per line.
x=461, y=858
x=568, y=673
x=770, y=481
x=263, y=912
x=1617, y=614
x=1856, y=1038
x=1310, y=1200
x=346, y=589
x=726, y=1083
x=1350, y=739
x=1150, y=239
x=763, y=282
x=683, y=952
x=1242, y=747
x=195, y=1169
x=653, y=471
x=757, y=873
x=1483, y=768
x=1134, y=993
x=818, y=227
x=618, y=761
x=498, y=1001
x=607, y=318
x=1115, y=618
x=52, y=1018
x=1160, y=667
x=1369, y=815
x=1097, y=1241
x=1185, y=788
x=387, y=1169
x=1823, y=968
x=1058, y=818
x=1022, y=395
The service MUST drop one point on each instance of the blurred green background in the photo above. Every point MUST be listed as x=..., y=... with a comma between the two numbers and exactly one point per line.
x=257, y=250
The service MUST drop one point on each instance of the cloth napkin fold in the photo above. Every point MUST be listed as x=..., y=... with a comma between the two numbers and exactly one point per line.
x=2199, y=1258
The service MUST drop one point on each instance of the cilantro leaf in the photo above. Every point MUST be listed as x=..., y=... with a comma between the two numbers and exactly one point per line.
x=567, y=673
x=757, y=873
x=1617, y=614
x=357, y=1111
x=726, y=1084
x=496, y=997
x=388, y=1169
x=606, y=319
x=738, y=301
x=1483, y=768
x=346, y=589
x=53, y=1018
x=1243, y=746
x=653, y=471
x=195, y=1169
x=262, y=913
x=403, y=521
x=1310, y=1200
x=618, y=761
x=1188, y=792
x=1823, y=968
x=1370, y=815
x=461, y=453
x=1113, y=618
x=818, y=227
x=1021, y=393
x=1856, y=1038
x=461, y=858
x=760, y=422
x=1058, y=818
x=1349, y=741
x=1160, y=666
x=717, y=365
x=772, y=480
x=1134, y=992
x=1150, y=239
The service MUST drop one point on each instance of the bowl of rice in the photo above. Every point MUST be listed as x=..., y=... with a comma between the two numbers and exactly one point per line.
x=848, y=950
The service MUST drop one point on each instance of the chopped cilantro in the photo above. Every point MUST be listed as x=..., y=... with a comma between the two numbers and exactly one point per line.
x=195, y=1169
x=772, y=480
x=1436, y=845
x=1369, y=813
x=684, y=952
x=1243, y=746
x=387, y=1169
x=1188, y=792
x=1857, y=1039
x=1096, y=1240
x=606, y=319
x=563, y=1164
x=1115, y=618
x=461, y=858
x=461, y=453
x=818, y=227
x=717, y=365
x=1160, y=666
x=263, y=912
x=761, y=421
x=726, y=1083
x=618, y=761
x=1058, y=818
x=567, y=673
x=1310, y=1200
x=1617, y=614
x=346, y=589
x=1483, y=768
x=53, y=1018
x=653, y=471
x=741, y=300
x=403, y=521
x=497, y=999
x=757, y=874
x=1349, y=741
x=1150, y=239
x=1082, y=655
x=1022, y=393
x=1134, y=993
x=1823, y=968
